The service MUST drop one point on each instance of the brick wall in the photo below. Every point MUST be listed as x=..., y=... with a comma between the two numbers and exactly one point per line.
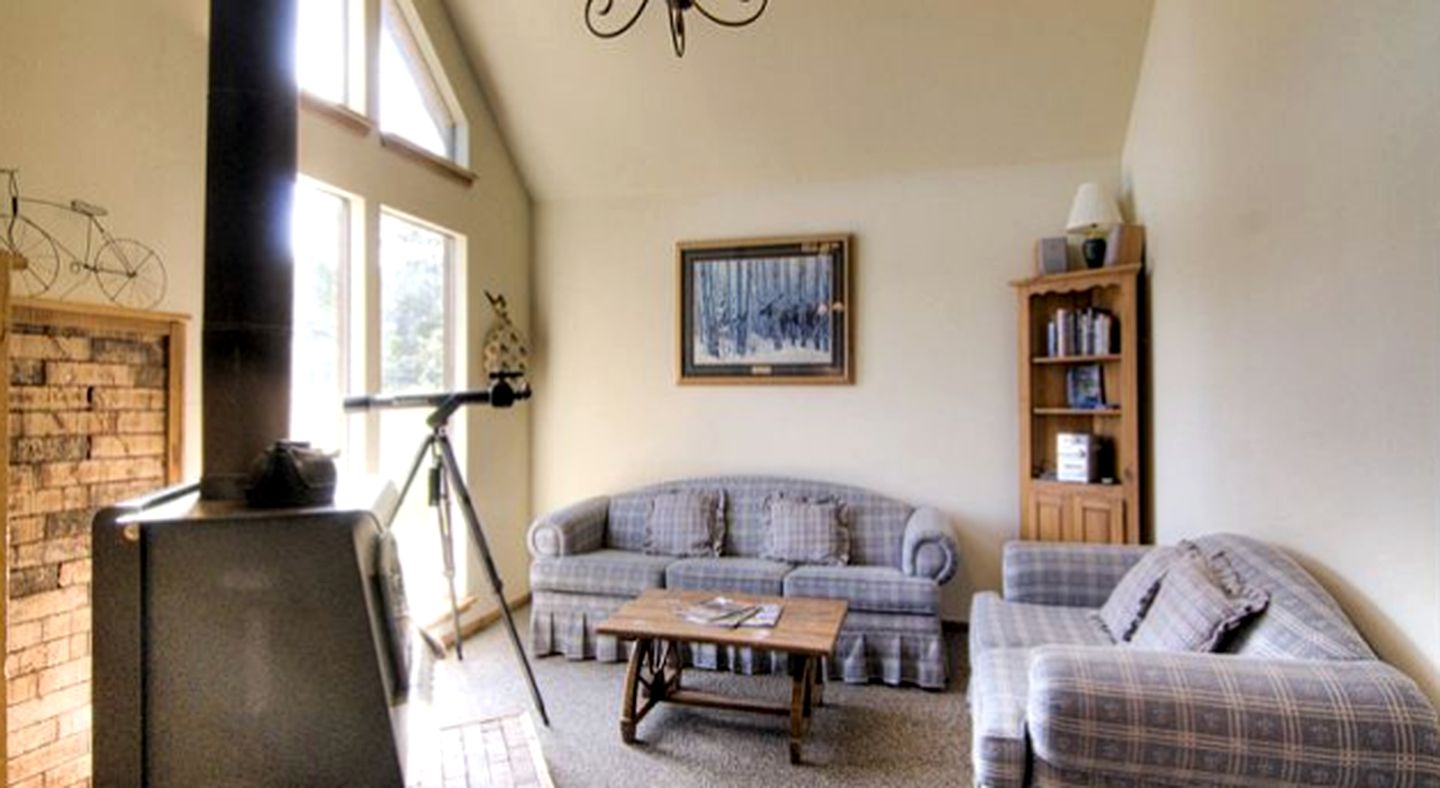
x=87, y=429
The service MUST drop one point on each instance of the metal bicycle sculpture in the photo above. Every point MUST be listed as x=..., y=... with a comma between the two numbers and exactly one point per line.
x=129, y=272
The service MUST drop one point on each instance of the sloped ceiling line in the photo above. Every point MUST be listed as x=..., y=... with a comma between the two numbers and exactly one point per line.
x=821, y=90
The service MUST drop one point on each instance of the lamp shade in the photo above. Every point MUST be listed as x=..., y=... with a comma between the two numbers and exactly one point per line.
x=1093, y=209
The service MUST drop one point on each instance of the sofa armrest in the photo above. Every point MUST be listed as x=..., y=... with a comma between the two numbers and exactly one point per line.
x=929, y=548
x=578, y=528
x=1065, y=574
x=1214, y=719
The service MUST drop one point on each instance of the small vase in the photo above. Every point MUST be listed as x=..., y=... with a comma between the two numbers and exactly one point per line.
x=1094, y=252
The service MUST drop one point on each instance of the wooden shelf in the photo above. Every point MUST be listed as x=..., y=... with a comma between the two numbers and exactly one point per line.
x=1087, y=277
x=1050, y=509
x=1075, y=359
x=1095, y=488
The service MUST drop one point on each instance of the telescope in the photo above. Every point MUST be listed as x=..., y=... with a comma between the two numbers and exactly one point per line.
x=445, y=479
x=500, y=394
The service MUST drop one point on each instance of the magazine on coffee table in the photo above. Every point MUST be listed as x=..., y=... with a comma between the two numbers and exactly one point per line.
x=725, y=612
x=719, y=611
x=766, y=616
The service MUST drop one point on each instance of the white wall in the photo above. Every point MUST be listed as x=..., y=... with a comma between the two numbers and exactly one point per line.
x=931, y=418
x=1283, y=156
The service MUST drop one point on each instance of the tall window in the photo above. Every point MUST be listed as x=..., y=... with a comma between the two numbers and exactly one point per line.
x=414, y=323
x=328, y=57
x=418, y=307
x=416, y=102
x=321, y=237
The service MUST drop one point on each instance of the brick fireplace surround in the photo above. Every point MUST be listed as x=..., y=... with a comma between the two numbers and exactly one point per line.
x=94, y=419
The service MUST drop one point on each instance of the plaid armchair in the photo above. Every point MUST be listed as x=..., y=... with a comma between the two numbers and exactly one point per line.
x=1297, y=697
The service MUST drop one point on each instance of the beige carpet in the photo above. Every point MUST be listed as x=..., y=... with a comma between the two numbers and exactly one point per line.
x=865, y=735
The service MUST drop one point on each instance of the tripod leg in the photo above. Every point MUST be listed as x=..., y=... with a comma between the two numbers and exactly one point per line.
x=414, y=469
x=440, y=499
x=467, y=509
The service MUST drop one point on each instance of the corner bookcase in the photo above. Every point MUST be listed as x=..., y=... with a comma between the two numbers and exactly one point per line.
x=1106, y=509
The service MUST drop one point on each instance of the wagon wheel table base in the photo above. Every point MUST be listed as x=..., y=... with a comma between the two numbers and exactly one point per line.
x=806, y=632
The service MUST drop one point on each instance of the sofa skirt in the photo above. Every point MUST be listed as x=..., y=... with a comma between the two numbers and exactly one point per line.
x=892, y=648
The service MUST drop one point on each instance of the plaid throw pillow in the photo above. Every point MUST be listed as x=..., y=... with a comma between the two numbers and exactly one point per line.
x=1199, y=602
x=806, y=532
x=685, y=523
x=1127, y=603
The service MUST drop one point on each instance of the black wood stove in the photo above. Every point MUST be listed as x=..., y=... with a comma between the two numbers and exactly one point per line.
x=232, y=646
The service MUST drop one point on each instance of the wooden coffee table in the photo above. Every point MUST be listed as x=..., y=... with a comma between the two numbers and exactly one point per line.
x=807, y=631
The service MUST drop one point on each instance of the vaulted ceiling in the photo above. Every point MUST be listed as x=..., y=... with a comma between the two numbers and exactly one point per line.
x=816, y=90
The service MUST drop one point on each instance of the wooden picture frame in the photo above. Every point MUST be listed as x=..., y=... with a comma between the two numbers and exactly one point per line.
x=766, y=310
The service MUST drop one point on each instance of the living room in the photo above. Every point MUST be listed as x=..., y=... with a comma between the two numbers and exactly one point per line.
x=1279, y=155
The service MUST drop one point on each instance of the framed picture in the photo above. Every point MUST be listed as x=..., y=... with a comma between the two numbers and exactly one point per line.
x=773, y=310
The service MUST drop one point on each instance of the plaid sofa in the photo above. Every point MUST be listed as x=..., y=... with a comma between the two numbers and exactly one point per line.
x=1296, y=698
x=588, y=561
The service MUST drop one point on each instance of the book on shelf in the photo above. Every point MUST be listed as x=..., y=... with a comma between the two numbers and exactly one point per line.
x=1084, y=332
x=720, y=612
x=1085, y=387
x=1077, y=457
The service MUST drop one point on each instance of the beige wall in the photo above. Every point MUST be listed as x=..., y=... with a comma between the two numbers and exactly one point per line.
x=931, y=417
x=1283, y=155
x=493, y=215
x=106, y=101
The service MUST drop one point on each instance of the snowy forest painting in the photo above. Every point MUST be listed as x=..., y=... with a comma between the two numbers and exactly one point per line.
x=774, y=309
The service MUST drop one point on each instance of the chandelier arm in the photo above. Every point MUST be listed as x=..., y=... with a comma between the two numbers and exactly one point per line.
x=591, y=13
x=677, y=27
x=699, y=5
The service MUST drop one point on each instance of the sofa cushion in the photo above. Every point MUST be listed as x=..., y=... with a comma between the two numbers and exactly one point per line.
x=1302, y=620
x=877, y=523
x=737, y=575
x=1199, y=602
x=996, y=623
x=999, y=681
x=685, y=523
x=871, y=589
x=806, y=532
x=607, y=572
x=1126, y=605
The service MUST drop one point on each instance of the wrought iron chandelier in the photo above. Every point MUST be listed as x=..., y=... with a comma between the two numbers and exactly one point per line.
x=601, y=18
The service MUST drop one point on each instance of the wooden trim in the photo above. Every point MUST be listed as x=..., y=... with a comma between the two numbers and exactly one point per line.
x=1071, y=279
x=85, y=315
x=418, y=154
x=175, y=413
x=442, y=631
x=1076, y=359
x=5, y=503
x=443, y=620
x=172, y=325
x=339, y=113
x=845, y=377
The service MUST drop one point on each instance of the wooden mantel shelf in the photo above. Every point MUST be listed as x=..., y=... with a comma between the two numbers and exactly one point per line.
x=1076, y=279
x=87, y=309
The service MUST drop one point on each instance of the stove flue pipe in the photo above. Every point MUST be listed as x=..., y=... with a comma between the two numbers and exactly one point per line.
x=250, y=173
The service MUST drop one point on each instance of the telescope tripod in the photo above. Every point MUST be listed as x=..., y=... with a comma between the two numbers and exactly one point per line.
x=444, y=477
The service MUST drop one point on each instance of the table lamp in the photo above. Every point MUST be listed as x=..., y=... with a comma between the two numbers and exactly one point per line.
x=1092, y=214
